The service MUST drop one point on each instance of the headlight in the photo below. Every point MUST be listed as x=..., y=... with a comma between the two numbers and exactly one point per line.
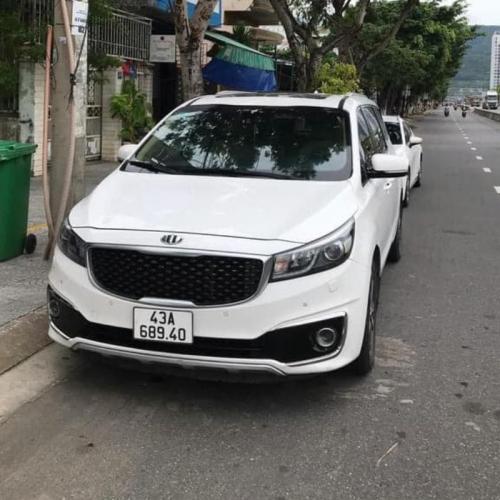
x=317, y=256
x=72, y=245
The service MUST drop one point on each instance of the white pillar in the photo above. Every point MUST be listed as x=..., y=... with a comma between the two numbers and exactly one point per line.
x=110, y=142
x=31, y=89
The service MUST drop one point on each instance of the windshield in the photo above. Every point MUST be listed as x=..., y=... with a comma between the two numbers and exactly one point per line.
x=394, y=132
x=295, y=143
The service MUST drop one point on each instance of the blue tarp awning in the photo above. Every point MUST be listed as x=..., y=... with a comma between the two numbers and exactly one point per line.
x=239, y=67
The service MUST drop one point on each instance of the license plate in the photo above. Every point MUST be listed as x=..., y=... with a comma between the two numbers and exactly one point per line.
x=162, y=325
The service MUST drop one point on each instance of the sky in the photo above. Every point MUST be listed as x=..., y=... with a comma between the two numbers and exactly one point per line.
x=483, y=11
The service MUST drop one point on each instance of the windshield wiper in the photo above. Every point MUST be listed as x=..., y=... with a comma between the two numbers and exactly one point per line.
x=155, y=167
x=238, y=173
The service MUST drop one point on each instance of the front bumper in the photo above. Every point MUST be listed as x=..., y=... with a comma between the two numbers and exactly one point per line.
x=336, y=295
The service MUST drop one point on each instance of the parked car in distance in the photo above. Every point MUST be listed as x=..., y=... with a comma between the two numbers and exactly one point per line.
x=246, y=233
x=409, y=146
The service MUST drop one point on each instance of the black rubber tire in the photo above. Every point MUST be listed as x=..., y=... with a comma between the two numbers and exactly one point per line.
x=418, y=182
x=395, y=251
x=365, y=362
x=406, y=200
x=30, y=244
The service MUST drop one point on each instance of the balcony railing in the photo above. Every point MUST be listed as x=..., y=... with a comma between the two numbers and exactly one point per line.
x=121, y=34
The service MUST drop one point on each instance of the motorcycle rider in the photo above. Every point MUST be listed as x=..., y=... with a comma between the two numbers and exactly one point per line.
x=446, y=110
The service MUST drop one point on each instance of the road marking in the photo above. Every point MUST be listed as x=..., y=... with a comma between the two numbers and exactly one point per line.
x=479, y=158
x=473, y=149
x=497, y=189
x=37, y=228
x=469, y=142
x=487, y=170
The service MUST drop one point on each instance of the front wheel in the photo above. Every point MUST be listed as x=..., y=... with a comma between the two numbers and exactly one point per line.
x=364, y=363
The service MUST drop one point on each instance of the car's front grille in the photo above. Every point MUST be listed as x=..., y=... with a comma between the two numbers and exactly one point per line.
x=203, y=280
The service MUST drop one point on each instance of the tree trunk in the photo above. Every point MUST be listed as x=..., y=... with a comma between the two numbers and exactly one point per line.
x=313, y=65
x=300, y=76
x=191, y=75
x=189, y=37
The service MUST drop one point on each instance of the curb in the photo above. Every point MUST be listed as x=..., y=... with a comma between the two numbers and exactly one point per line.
x=492, y=115
x=23, y=337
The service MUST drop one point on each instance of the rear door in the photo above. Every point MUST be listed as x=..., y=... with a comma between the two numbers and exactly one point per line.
x=413, y=153
x=386, y=192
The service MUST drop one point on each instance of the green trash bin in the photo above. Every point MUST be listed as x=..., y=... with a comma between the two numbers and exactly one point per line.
x=15, y=172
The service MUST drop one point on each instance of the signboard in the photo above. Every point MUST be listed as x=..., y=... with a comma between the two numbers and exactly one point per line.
x=215, y=18
x=162, y=49
x=79, y=17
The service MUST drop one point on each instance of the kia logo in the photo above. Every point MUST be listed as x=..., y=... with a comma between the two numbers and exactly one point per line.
x=171, y=239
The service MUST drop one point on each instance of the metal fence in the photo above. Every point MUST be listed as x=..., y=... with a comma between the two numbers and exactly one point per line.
x=36, y=14
x=9, y=103
x=121, y=34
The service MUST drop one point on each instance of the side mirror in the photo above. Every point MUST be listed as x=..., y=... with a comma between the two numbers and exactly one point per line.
x=414, y=140
x=388, y=166
x=126, y=150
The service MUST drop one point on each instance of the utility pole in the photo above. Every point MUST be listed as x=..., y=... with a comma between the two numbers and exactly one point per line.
x=69, y=85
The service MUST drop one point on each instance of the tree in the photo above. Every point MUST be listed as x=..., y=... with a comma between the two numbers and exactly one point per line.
x=315, y=27
x=337, y=78
x=424, y=55
x=132, y=107
x=189, y=36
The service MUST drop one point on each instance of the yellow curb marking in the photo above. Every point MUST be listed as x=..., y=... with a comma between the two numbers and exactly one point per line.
x=37, y=228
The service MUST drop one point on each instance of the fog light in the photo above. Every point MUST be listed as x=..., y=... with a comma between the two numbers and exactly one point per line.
x=54, y=308
x=325, y=338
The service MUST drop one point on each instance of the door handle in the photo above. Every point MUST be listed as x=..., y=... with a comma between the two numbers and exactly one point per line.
x=387, y=185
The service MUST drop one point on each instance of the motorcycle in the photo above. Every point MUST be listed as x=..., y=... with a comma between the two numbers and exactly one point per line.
x=464, y=113
x=446, y=112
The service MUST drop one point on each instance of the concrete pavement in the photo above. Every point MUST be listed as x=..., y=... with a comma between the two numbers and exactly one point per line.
x=23, y=280
x=424, y=424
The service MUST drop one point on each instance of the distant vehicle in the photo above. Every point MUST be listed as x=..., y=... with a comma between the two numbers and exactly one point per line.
x=476, y=102
x=492, y=99
x=409, y=146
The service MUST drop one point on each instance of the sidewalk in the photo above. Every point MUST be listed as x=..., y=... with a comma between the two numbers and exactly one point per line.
x=23, y=280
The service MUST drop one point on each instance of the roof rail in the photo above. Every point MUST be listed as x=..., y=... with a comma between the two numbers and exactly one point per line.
x=232, y=92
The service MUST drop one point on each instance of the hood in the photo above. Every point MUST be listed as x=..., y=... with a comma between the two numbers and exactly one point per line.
x=257, y=208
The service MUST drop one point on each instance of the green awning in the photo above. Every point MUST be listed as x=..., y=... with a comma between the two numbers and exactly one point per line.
x=236, y=53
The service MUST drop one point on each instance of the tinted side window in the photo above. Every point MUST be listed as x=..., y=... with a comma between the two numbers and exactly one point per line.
x=380, y=120
x=394, y=130
x=365, y=145
x=364, y=135
x=376, y=132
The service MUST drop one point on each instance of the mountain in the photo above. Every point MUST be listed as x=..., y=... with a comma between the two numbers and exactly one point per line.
x=474, y=74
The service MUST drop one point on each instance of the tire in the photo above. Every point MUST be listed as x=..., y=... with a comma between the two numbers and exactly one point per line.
x=395, y=251
x=364, y=363
x=30, y=244
x=406, y=200
x=418, y=182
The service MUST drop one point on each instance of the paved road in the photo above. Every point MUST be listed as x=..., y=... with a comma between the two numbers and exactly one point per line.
x=425, y=424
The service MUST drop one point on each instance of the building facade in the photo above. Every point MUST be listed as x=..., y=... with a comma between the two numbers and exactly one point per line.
x=495, y=61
